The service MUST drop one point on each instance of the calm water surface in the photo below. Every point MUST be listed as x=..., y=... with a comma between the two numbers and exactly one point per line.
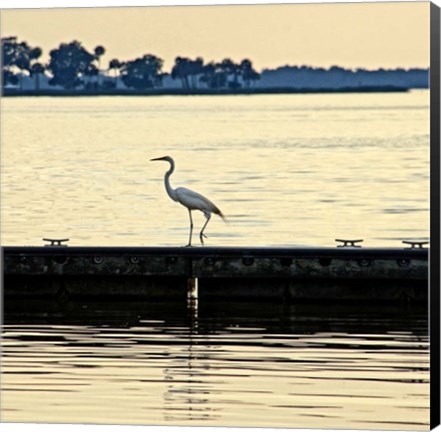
x=266, y=365
x=285, y=169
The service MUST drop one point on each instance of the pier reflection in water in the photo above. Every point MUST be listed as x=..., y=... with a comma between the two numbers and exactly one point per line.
x=216, y=364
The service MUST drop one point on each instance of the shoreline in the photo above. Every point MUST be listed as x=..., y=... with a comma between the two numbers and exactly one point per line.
x=203, y=92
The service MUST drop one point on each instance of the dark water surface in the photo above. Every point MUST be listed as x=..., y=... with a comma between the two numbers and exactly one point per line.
x=216, y=364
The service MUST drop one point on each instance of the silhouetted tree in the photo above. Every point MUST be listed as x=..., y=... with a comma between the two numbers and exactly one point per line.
x=11, y=53
x=142, y=73
x=114, y=65
x=247, y=72
x=196, y=69
x=188, y=71
x=99, y=51
x=90, y=72
x=26, y=59
x=181, y=71
x=36, y=70
x=214, y=75
x=227, y=67
x=208, y=72
x=9, y=50
x=17, y=59
x=68, y=64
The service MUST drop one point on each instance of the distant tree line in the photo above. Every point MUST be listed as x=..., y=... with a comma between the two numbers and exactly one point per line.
x=72, y=66
x=225, y=74
x=334, y=77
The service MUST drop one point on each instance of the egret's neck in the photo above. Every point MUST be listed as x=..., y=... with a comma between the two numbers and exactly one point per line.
x=171, y=192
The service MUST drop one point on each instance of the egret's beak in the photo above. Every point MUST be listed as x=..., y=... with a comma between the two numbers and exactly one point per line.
x=157, y=159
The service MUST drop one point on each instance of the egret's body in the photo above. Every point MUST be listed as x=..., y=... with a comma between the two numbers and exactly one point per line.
x=190, y=199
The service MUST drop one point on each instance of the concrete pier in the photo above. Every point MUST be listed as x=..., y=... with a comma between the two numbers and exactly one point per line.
x=344, y=273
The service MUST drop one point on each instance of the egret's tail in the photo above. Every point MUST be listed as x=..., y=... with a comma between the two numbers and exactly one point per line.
x=223, y=216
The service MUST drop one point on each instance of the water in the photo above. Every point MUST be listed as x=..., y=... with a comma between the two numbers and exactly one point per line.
x=285, y=169
x=242, y=364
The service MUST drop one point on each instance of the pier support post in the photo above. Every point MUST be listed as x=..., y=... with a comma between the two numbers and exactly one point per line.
x=192, y=300
x=192, y=288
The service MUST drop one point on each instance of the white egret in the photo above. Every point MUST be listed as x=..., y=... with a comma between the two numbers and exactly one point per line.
x=190, y=199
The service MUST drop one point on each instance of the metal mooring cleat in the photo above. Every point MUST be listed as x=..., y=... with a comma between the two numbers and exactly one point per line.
x=415, y=244
x=348, y=243
x=55, y=242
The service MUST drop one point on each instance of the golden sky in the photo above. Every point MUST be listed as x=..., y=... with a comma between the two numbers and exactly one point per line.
x=368, y=35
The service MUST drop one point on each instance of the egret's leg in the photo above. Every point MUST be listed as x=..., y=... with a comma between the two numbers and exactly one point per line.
x=202, y=235
x=191, y=228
